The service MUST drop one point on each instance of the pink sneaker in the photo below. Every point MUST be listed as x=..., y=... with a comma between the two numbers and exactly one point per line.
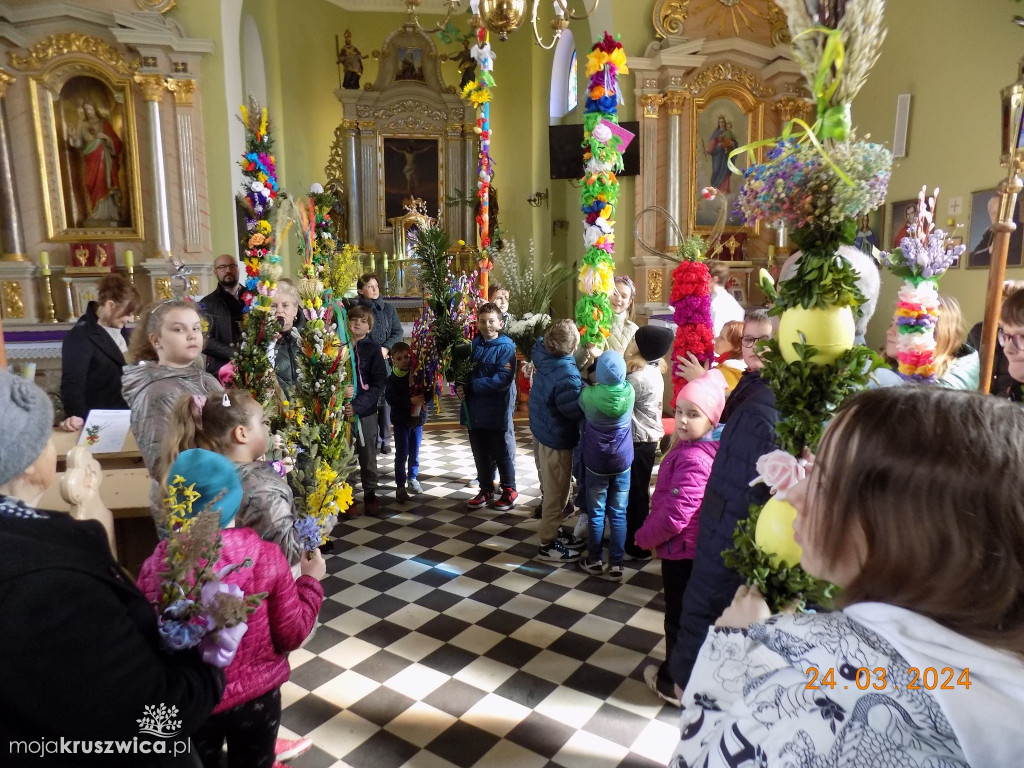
x=289, y=749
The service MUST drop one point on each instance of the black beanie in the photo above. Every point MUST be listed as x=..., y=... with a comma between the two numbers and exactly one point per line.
x=653, y=341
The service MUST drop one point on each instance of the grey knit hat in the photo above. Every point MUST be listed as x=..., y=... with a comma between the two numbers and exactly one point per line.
x=27, y=418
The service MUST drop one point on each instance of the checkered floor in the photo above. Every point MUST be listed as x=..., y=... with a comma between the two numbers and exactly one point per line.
x=443, y=642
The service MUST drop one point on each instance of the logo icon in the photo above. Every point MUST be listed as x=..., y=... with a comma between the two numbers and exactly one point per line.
x=159, y=721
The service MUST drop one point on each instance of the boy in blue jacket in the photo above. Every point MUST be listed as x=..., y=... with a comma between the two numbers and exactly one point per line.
x=555, y=416
x=489, y=397
x=607, y=456
x=362, y=397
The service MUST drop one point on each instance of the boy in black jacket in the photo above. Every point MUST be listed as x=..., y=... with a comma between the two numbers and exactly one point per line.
x=372, y=375
x=408, y=415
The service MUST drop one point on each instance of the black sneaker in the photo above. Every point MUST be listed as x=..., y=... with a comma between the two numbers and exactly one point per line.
x=507, y=499
x=569, y=541
x=555, y=552
x=593, y=567
x=401, y=494
x=481, y=499
x=637, y=554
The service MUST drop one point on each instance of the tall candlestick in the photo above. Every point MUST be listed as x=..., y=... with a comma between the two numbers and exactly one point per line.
x=129, y=259
x=44, y=263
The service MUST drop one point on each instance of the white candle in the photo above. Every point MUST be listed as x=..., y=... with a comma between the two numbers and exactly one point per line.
x=129, y=259
x=474, y=6
x=558, y=9
x=44, y=262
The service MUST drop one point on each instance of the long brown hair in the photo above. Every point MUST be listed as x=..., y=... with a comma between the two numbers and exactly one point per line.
x=139, y=346
x=935, y=480
x=198, y=422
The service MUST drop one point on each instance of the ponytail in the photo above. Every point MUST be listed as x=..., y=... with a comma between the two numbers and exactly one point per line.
x=204, y=422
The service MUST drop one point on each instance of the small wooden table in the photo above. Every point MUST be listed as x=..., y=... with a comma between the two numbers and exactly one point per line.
x=127, y=458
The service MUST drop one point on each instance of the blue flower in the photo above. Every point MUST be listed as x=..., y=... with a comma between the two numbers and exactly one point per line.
x=178, y=635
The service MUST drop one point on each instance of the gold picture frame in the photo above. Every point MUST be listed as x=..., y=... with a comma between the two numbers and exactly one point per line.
x=725, y=117
x=84, y=119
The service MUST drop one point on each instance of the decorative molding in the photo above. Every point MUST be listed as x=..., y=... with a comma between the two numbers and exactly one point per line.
x=650, y=102
x=778, y=25
x=674, y=101
x=6, y=79
x=655, y=293
x=669, y=17
x=725, y=71
x=55, y=46
x=183, y=89
x=179, y=67
x=334, y=171
x=349, y=125
x=152, y=86
x=189, y=183
x=366, y=127
x=788, y=108
x=160, y=6
x=162, y=287
x=14, y=301
x=404, y=106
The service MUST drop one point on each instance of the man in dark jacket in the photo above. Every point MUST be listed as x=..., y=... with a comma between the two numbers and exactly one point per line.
x=555, y=416
x=223, y=308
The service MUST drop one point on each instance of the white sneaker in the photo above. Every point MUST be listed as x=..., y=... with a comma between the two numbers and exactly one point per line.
x=289, y=749
x=651, y=678
x=593, y=567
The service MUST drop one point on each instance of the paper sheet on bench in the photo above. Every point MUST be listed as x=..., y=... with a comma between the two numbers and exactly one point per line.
x=105, y=431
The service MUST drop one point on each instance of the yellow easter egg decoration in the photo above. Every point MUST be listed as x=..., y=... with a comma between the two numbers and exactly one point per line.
x=774, y=533
x=830, y=330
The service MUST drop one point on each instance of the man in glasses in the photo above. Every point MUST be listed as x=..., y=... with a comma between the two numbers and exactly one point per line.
x=223, y=309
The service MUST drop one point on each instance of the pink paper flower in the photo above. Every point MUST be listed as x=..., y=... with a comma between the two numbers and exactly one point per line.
x=780, y=471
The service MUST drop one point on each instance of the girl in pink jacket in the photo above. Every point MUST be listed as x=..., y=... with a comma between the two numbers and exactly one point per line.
x=671, y=527
x=249, y=713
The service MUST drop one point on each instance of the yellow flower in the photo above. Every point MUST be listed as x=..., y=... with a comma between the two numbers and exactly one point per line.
x=263, y=227
x=595, y=61
x=618, y=58
x=480, y=97
x=470, y=87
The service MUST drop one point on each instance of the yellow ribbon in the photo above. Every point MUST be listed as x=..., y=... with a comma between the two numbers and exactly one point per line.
x=833, y=121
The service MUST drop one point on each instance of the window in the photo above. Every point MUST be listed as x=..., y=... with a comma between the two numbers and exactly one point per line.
x=572, y=97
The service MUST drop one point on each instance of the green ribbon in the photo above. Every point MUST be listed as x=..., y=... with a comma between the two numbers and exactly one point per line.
x=834, y=122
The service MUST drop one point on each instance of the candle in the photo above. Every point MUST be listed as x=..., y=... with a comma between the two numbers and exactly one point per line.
x=373, y=263
x=129, y=259
x=385, y=261
x=558, y=9
x=474, y=6
x=44, y=262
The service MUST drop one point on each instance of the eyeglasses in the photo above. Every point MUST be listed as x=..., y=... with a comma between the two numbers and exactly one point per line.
x=750, y=341
x=1015, y=340
x=225, y=266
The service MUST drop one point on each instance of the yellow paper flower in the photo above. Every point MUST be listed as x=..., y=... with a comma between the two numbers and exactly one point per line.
x=479, y=97
x=263, y=227
x=595, y=61
x=618, y=58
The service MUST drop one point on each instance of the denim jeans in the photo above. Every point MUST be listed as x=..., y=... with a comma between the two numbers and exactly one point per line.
x=407, y=452
x=607, y=496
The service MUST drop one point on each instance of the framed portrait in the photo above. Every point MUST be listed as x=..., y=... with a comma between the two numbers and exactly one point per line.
x=88, y=153
x=901, y=215
x=870, y=231
x=984, y=211
x=726, y=117
x=410, y=64
x=411, y=168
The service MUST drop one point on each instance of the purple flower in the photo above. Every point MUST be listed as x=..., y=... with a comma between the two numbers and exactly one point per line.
x=308, y=533
x=693, y=310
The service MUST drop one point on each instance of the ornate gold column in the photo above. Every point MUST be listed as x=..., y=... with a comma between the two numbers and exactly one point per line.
x=353, y=204
x=153, y=87
x=674, y=101
x=189, y=160
x=13, y=246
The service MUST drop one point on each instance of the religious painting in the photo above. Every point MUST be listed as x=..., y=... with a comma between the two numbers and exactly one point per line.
x=870, y=231
x=902, y=214
x=85, y=130
x=727, y=117
x=411, y=174
x=410, y=64
x=984, y=212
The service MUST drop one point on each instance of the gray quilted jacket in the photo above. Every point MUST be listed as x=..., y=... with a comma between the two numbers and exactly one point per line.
x=267, y=507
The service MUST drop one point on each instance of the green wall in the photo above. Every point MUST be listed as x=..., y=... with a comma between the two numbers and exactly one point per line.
x=953, y=57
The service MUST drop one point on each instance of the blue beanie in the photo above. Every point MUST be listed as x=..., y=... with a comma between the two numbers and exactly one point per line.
x=611, y=368
x=213, y=475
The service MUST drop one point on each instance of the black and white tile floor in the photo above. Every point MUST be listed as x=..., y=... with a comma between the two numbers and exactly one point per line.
x=443, y=642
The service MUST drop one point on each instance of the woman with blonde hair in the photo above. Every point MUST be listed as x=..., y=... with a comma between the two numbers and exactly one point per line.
x=957, y=366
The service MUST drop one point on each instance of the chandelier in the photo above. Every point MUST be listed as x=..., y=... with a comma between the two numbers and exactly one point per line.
x=502, y=17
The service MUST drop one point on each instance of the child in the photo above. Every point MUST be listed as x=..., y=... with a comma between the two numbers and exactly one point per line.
x=408, y=428
x=555, y=416
x=372, y=377
x=671, y=528
x=165, y=350
x=728, y=356
x=250, y=711
x=73, y=623
x=489, y=397
x=930, y=596
x=234, y=426
x=1011, y=335
x=607, y=455
x=499, y=295
x=645, y=372
x=623, y=328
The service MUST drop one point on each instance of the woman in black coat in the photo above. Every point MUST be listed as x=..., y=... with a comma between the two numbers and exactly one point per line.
x=93, y=353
